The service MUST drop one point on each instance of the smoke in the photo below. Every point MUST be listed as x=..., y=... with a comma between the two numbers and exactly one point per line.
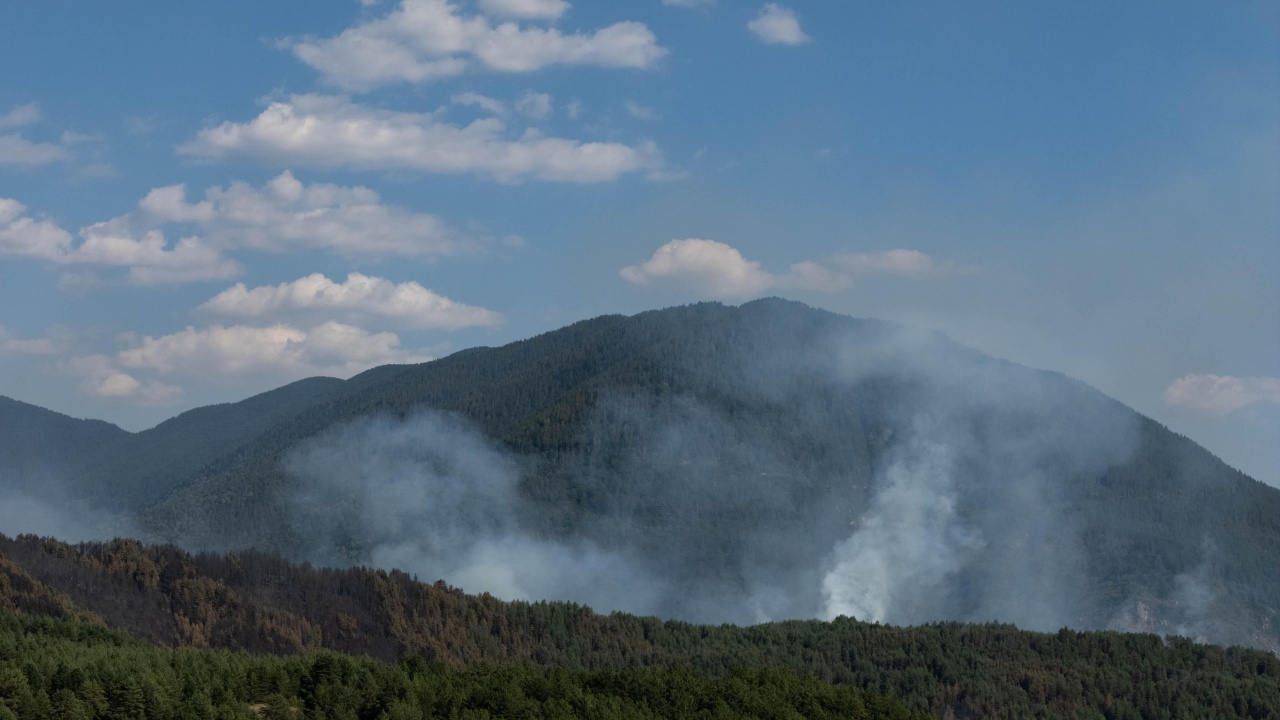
x=910, y=543
x=429, y=495
x=872, y=472
x=976, y=494
x=49, y=510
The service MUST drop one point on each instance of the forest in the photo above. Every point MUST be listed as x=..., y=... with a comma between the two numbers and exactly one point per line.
x=122, y=607
x=66, y=670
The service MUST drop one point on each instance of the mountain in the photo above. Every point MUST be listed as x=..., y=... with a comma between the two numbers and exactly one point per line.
x=51, y=592
x=713, y=463
x=38, y=443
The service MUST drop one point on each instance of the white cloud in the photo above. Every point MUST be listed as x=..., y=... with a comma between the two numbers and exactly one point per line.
x=17, y=150
x=286, y=215
x=25, y=236
x=777, y=25
x=148, y=259
x=494, y=107
x=280, y=350
x=283, y=215
x=1221, y=394
x=713, y=267
x=718, y=270
x=327, y=131
x=11, y=345
x=21, y=115
x=689, y=3
x=103, y=379
x=408, y=304
x=534, y=105
x=424, y=40
x=642, y=112
x=531, y=9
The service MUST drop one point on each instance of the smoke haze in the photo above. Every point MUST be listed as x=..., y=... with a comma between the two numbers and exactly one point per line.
x=430, y=496
x=761, y=501
x=764, y=465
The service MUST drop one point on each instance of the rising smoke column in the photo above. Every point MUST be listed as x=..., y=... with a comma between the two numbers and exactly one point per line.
x=906, y=546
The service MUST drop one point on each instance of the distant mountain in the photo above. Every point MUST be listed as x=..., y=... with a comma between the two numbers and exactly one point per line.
x=37, y=443
x=717, y=463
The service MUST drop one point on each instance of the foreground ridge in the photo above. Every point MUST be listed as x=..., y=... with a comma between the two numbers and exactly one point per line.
x=263, y=604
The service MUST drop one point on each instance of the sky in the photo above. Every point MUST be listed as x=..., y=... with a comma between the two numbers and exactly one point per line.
x=203, y=201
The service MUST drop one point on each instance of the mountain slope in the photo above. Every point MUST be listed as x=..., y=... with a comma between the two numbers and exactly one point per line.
x=37, y=444
x=140, y=468
x=760, y=462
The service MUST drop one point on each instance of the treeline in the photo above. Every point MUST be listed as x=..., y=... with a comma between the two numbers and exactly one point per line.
x=259, y=603
x=68, y=670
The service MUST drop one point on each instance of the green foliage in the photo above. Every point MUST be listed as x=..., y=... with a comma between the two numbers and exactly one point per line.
x=47, y=675
x=250, y=601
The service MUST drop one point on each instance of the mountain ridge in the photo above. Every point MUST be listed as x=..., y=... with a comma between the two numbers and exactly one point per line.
x=770, y=416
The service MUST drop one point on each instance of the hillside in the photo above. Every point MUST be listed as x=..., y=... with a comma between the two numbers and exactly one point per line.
x=38, y=444
x=97, y=673
x=743, y=464
x=259, y=603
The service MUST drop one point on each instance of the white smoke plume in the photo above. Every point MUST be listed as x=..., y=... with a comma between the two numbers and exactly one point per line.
x=910, y=541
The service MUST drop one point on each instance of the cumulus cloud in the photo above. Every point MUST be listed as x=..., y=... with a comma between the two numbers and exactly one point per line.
x=1221, y=394
x=257, y=354
x=531, y=9
x=331, y=132
x=104, y=379
x=777, y=25
x=149, y=258
x=423, y=40
x=286, y=215
x=714, y=267
x=718, y=270
x=361, y=296
x=279, y=350
x=23, y=235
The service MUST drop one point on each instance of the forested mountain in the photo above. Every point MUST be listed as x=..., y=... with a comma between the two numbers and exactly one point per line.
x=712, y=464
x=56, y=598
x=37, y=444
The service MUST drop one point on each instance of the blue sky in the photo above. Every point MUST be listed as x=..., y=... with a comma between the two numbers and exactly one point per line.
x=203, y=201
